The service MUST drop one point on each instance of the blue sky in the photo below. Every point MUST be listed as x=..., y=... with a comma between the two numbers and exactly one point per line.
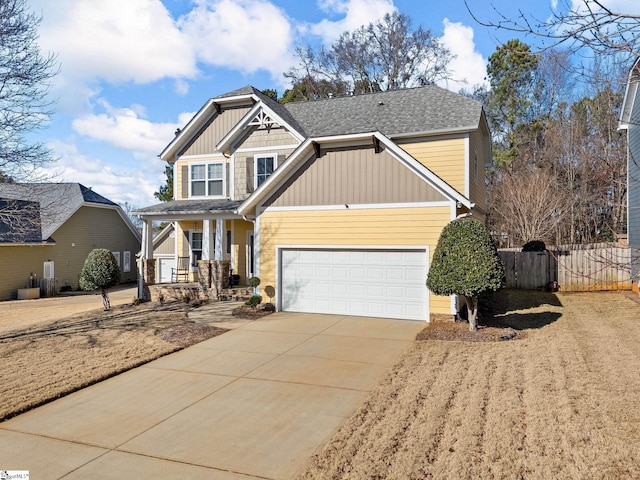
x=133, y=71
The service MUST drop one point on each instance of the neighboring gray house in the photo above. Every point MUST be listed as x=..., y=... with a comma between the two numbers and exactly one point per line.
x=630, y=121
x=48, y=229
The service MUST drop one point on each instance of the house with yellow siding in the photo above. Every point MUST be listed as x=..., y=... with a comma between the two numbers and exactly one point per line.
x=338, y=204
x=47, y=231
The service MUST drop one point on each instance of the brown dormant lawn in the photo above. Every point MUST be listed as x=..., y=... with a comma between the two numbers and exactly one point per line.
x=49, y=359
x=560, y=401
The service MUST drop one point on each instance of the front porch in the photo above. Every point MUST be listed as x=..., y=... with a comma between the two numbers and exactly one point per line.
x=211, y=243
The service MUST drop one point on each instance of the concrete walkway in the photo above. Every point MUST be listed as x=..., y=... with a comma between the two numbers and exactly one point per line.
x=256, y=402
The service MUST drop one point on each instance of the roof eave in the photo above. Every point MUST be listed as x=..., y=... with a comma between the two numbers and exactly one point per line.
x=433, y=133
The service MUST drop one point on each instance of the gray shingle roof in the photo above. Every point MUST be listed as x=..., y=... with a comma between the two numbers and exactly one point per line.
x=57, y=201
x=428, y=109
x=20, y=221
x=177, y=207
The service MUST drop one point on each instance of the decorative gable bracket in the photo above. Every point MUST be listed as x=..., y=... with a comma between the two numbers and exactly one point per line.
x=263, y=119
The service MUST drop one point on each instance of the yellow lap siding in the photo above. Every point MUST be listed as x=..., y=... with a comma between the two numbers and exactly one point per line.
x=376, y=227
x=445, y=158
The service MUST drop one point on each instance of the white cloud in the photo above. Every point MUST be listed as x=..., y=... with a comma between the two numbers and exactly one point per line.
x=468, y=69
x=134, y=183
x=111, y=40
x=126, y=128
x=356, y=14
x=246, y=35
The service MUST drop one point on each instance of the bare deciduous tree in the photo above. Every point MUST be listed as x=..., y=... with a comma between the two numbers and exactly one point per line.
x=24, y=82
x=574, y=25
x=529, y=203
x=386, y=55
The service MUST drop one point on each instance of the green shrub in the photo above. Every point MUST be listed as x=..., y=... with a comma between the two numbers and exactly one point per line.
x=466, y=263
x=253, y=301
x=254, y=282
x=534, y=246
x=100, y=272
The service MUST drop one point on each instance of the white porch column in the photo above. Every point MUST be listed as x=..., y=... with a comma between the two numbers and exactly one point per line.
x=207, y=240
x=219, y=239
x=146, y=251
x=147, y=239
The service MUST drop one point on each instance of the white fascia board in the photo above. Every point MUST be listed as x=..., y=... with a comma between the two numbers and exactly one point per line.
x=359, y=206
x=228, y=139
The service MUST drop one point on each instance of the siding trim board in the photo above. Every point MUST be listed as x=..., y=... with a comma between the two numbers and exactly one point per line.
x=354, y=206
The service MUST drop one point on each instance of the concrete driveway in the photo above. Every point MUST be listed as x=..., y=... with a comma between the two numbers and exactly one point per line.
x=256, y=402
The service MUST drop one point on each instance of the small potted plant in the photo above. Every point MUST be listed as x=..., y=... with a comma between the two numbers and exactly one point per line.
x=271, y=292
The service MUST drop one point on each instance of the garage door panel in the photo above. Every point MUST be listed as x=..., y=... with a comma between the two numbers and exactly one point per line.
x=377, y=283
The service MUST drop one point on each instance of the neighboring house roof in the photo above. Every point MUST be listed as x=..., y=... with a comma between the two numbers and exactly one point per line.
x=162, y=235
x=196, y=207
x=58, y=202
x=20, y=221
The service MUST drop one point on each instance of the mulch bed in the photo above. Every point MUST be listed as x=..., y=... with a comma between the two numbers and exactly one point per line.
x=251, y=313
x=459, y=331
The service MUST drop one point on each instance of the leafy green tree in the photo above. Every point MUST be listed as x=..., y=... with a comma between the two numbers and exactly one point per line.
x=270, y=92
x=165, y=192
x=466, y=263
x=100, y=271
x=510, y=71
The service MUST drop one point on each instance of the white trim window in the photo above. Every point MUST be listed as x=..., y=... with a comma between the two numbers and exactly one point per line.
x=206, y=179
x=265, y=164
x=126, y=261
x=117, y=257
x=195, y=245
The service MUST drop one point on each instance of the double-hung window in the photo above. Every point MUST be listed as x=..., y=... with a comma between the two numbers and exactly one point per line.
x=265, y=165
x=207, y=179
x=196, y=247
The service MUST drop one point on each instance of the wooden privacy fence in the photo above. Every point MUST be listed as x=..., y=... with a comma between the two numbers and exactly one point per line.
x=574, y=268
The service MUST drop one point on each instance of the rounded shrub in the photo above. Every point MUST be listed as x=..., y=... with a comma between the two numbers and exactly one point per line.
x=465, y=261
x=100, y=272
x=534, y=246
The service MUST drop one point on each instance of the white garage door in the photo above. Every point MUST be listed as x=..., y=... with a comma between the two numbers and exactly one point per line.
x=380, y=283
x=164, y=265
